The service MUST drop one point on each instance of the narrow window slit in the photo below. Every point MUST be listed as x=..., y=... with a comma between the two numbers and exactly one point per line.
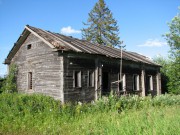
x=30, y=80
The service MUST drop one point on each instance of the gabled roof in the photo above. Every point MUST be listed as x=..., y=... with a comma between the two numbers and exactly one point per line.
x=67, y=43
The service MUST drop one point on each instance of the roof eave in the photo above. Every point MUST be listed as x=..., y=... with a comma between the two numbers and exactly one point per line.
x=16, y=46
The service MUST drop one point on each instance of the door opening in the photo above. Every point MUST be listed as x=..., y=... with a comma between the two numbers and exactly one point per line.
x=105, y=83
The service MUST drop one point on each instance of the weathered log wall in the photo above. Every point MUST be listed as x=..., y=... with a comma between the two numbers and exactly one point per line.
x=46, y=67
x=85, y=63
x=85, y=92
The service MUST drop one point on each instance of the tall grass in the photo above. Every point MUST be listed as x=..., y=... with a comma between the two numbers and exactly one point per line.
x=38, y=114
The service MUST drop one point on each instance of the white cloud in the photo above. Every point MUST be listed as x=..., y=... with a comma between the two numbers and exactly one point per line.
x=69, y=30
x=153, y=43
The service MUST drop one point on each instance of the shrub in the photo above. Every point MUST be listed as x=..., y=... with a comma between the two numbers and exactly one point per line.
x=9, y=85
x=2, y=80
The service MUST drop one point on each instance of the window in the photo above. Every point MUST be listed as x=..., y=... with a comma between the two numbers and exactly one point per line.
x=122, y=84
x=28, y=46
x=91, y=79
x=135, y=82
x=30, y=80
x=77, y=79
x=150, y=82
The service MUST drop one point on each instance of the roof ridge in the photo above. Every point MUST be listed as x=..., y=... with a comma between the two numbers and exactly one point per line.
x=59, y=41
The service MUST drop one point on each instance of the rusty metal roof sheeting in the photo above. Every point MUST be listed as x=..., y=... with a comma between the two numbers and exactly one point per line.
x=68, y=43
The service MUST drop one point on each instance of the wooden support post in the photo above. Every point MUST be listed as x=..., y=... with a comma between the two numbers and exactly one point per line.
x=118, y=82
x=143, y=83
x=96, y=79
x=62, y=80
x=100, y=79
x=158, y=81
x=8, y=68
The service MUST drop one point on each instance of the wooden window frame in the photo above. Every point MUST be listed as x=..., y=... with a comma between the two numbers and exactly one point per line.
x=123, y=82
x=30, y=83
x=77, y=82
x=91, y=79
x=136, y=82
x=150, y=83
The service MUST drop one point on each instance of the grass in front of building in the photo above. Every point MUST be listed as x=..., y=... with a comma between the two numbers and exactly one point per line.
x=38, y=114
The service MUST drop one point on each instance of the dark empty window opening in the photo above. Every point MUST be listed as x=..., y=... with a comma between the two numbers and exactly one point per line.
x=120, y=86
x=91, y=78
x=135, y=82
x=105, y=83
x=77, y=78
x=28, y=46
x=30, y=80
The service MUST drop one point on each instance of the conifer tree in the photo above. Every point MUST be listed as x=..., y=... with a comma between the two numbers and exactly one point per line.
x=101, y=28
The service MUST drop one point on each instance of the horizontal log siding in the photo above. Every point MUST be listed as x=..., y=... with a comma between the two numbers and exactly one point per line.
x=52, y=72
x=46, y=67
x=84, y=93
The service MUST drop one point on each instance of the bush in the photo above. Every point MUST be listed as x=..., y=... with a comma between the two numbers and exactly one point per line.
x=9, y=85
x=2, y=80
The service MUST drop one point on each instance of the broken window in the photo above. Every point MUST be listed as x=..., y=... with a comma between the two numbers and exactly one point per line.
x=90, y=78
x=28, y=46
x=77, y=79
x=135, y=82
x=30, y=80
x=150, y=82
x=122, y=84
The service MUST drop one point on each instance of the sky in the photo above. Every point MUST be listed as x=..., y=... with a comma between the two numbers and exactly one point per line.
x=141, y=22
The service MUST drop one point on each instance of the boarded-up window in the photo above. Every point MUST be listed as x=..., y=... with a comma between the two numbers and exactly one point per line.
x=30, y=80
x=122, y=84
x=150, y=82
x=135, y=82
x=77, y=79
x=91, y=79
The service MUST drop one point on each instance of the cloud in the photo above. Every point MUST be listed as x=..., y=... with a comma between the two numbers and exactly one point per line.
x=153, y=43
x=69, y=30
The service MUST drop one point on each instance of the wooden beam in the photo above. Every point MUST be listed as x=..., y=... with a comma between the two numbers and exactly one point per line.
x=96, y=78
x=100, y=78
x=158, y=81
x=143, y=83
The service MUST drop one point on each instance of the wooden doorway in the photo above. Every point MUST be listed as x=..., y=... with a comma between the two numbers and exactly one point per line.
x=105, y=83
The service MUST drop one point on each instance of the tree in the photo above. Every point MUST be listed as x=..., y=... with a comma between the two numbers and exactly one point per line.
x=164, y=62
x=9, y=85
x=173, y=39
x=102, y=27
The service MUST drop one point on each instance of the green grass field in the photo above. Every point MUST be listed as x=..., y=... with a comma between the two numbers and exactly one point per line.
x=37, y=114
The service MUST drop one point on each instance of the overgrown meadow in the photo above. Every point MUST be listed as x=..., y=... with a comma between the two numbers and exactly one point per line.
x=132, y=115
